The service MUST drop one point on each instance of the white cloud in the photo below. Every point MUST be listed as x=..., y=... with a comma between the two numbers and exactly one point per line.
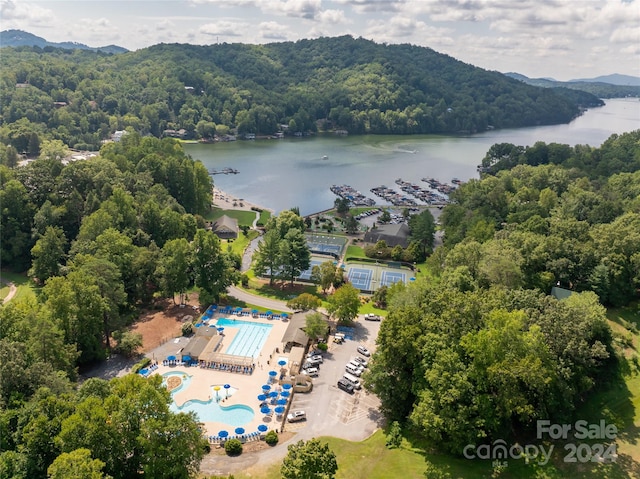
x=626, y=35
x=228, y=28
x=334, y=17
x=308, y=9
x=273, y=31
x=164, y=25
x=16, y=14
x=365, y=6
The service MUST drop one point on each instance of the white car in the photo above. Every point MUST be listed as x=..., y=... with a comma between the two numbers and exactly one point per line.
x=361, y=360
x=297, y=416
x=364, y=351
x=372, y=317
x=316, y=358
x=311, y=372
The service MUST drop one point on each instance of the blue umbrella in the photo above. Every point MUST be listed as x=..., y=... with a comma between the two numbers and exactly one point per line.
x=239, y=430
x=262, y=428
x=279, y=409
x=282, y=362
x=412, y=279
x=285, y=394
x=265, y=410
x=143, y=371
x=254, y=311
x=223, y=433
x=269, y=313
x=262, y=397
x=273, y=394
x=282, y=402
x=266, y=387
x=273, y=374
x=286, y=386
x=220, y=329
x=186, y=358
x=171, y=358
x=198, y=325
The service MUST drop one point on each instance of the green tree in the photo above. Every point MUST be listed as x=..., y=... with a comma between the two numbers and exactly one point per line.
x=344, y=303
x=341, y=205
x=325, y=275
x=213, y=269
x=385, y=217
x=312, y=459
x=76, y=464
x=315, y=325
x=174, y=269
x=53, y=149
x=48, y=253
x=350, y=224
x=304, y=302
x=127, y=343
x=266, y=259
x=295, y=256
x=423, y=228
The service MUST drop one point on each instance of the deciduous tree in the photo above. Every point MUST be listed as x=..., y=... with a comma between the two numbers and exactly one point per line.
x=309, y=460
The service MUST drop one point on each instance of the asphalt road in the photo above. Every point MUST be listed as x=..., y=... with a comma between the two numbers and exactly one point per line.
x=256, y=300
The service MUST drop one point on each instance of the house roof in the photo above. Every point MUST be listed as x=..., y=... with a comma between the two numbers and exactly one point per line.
x=391, y=234
x=225, y=223
x=560, y=293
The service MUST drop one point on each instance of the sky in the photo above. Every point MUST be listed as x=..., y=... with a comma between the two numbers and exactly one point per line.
x=561, y=39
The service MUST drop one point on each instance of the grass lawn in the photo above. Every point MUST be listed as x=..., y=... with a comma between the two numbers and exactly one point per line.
x=279, y=290
x=245, y=218
x=26, y=288
x=241, y=242
x=354, y=251
x=370, y=459
x=264, y=217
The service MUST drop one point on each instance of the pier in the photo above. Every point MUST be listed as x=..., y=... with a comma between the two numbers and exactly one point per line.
x=223, y=171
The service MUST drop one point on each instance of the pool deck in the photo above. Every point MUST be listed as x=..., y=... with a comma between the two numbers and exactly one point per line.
x=248, y=386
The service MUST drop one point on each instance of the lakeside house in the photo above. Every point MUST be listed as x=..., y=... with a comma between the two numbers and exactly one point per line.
x=391, y=234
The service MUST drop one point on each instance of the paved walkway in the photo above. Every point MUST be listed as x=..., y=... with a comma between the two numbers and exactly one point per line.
x=256, y=300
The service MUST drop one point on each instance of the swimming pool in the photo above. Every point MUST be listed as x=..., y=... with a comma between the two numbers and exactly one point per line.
x=184, y=384
x=213, y=411
x=210, y=410
x=249, y=339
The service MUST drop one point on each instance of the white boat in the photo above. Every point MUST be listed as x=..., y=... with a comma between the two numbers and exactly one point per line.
x=325, y=157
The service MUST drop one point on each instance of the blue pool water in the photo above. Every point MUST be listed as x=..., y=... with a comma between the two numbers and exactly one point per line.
x=212, y=411
x=249, y=339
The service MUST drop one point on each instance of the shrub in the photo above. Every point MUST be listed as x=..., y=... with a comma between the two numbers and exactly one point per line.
x=323, y=346
x=187, y=329
x=244, y=280
x=271, y=438
x=143, y=363
x=394, y=438
x=233, y=447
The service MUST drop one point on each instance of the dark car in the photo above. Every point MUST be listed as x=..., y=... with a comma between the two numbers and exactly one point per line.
x=346, y=386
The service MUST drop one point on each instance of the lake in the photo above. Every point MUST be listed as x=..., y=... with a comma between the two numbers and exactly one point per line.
x=280, y=174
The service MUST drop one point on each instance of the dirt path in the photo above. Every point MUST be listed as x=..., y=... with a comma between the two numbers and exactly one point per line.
x=12, y=291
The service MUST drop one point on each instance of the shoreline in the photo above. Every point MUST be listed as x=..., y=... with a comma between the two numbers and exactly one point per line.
x=224, y=200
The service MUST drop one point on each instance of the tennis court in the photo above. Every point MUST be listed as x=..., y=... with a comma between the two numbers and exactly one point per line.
x=390, y=277
x=326, y=244
x=306, y=274
x=360, y=277
x=370, y=277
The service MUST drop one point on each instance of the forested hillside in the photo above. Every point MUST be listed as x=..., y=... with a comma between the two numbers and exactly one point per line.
x=481, y=351
x=81, y=97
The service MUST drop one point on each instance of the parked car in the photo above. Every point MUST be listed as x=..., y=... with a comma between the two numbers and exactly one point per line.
x=313, y=372
x=309, y=365
x=314, y=361
x=296, y=416
x=338, y=338
x=361, y=360
x=315, y=358
x=355, y=371
x=314, y=352
x=372, y=317
x=364, y=351
x=346, y=386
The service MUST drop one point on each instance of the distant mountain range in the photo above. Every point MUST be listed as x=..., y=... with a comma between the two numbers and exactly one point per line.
x=608, y=86
x=19, y=38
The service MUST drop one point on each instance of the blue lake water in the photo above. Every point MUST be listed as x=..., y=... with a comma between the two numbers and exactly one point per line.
x=280, y=174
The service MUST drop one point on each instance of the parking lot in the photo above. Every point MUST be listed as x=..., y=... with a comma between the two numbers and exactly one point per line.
x=331, y=411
